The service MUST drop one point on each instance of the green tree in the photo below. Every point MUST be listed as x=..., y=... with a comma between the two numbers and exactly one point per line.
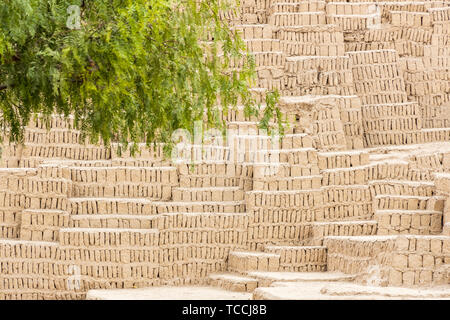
x=128, y=70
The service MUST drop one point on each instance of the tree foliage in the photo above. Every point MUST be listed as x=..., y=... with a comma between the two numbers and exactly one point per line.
x=134, y=71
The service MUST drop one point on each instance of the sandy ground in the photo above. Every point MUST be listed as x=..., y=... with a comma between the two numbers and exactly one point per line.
x=168, y=293
x=345, y=291
x=286, y=290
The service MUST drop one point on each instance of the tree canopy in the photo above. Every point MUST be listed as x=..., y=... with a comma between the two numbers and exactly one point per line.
x=127, y=70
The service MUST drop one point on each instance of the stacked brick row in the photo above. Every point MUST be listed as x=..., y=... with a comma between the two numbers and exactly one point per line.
x=406, y=41
x=300, y=259
x=346, y=195
x=417, y=260
x=12, y=200
x=396, y=261
x=284, y=195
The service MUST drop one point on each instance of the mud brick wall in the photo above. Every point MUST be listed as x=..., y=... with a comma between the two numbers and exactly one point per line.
x=410, y=19
x=249, y=12
x=317, y=76
x=327, y=127
x=34, y=268
x=194, y=245
x=406, y=41
x=300, y=259
x=50, y=188
x=47, y=203
x=311, y=41
x=346, y=194
x=351, y=118
x=241, y=262
x=13, y=200
x=334, y=122
x=392, y=123
x=409, y=222
x=10, y=155
x=377, y=77
x=280, y=206
x=357, y=255
x=281, y=217
x=215, y=175
x=321, y=230
x=121, y=222
x=443, y=189
x=395, y=261
x=423, y=84
x=131, y=182
x=417, y=260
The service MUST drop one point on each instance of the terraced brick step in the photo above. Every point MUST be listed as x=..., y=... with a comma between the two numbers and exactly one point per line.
x=233, y=282
x=264, y=171
x=245, y=128
x=109, y=206
x=307, y=157
x=105, y=164
x=27, y=250
x=113, y=221
x=284, y=199
x=42, y=225
x=346, y=194
x=296, y=141
x=263, y=45
x=255, y=31
x=345, y=176
x=350, y=22
x=403, y=187
x=326, y=63
x=343, y=159
x=9, y=230
x=106, y=237
x=271, y=61
x=300, y=258
x=297, y=18
x=204, y=180
x=208, y=194
x=266, y=279
x=383, y=110
x=148, y=190
x=409, y=221
x=75, y=151
x=123, y=174
x=321, y=230
x=405, y=202
x=158, y=207
x=354, y=254
x=243, y=262
x=42, y=136
x=271, y=58
x=393, y=169
x=297, y=6
x=289, y=183
x=199, y=153
x=408, y=137
x=202, y=220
